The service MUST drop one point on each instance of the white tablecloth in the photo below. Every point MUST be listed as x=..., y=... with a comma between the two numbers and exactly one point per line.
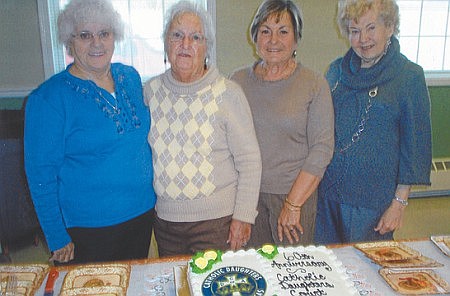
x=156, y=279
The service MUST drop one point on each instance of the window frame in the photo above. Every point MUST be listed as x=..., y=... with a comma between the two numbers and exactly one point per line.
x=437, y=78
x=53, y=51
x=432, y=77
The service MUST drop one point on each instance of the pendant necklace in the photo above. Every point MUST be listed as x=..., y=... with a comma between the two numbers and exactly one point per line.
x=364, y=117
x=114, y=106
x=89, y=78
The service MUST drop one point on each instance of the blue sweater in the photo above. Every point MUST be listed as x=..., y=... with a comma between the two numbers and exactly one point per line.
x=86, y=165
x=395, y=145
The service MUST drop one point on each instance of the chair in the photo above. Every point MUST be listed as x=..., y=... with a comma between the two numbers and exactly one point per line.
x=17, y=216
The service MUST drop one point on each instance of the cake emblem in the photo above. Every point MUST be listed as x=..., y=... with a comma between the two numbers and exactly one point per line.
x=234, y=280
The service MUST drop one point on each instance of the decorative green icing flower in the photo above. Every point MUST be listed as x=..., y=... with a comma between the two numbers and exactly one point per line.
x=268, y=250
x=203, y=261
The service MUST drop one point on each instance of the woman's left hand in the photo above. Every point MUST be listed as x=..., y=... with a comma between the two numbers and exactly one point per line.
x=65, y=254
x=392, y=218
x=289, y=225
x=239, y=234
x=289, y=220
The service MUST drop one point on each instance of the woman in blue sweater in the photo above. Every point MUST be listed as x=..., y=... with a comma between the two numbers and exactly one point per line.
x=87, y=159
x=382, y=129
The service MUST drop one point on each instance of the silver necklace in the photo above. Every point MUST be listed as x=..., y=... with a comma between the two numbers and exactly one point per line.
x=115, y=106
x=90, y=80
x=361, y=126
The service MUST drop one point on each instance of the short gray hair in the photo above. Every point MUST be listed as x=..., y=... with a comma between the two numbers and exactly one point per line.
x=77, y=12
x=349, y=10
x=275, y=8
x=183, y=7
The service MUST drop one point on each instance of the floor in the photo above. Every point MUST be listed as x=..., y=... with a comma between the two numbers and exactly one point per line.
x=424, y=217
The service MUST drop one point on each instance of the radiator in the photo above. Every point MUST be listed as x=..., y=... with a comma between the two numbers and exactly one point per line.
x=440, y=180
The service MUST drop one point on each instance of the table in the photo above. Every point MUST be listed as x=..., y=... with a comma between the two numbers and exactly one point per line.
x=155, y=276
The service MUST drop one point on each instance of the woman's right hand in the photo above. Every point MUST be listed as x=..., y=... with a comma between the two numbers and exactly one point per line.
x=65, y=254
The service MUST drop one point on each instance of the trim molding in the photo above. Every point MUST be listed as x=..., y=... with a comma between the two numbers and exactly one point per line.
x=211, y=7
x=15, y=93
x=46, y=39
x=425, y=194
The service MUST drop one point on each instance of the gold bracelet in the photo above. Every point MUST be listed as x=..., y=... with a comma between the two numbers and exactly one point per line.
x=291, y=204
x=292, y=209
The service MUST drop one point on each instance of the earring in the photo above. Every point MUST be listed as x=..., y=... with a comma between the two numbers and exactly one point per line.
x=205, y=63
x=294, y=54
x=388, y=43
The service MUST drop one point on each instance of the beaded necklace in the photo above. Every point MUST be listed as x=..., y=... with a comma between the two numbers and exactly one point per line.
x=262, y=71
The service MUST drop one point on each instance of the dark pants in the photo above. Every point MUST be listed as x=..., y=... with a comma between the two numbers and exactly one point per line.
x=178, y=238
x=265, y=229
x=124, y=241
x=341, y=223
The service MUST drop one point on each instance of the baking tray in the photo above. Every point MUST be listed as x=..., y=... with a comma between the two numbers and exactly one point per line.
x=419, y=262
x=102, y=291
x=29, y=277
x=415, y=281
x=442, y=242
x=387, y=251
x=101, y=275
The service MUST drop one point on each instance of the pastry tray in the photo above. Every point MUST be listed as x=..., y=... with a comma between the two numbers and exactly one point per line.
x=419, y=262
x=93, y=277
x=387, y=251
x=29, y=277
x=442, y=242
x=101, y=291
x=415, y=281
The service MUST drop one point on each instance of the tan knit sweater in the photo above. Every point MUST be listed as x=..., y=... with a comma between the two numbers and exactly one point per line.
x=294, y=123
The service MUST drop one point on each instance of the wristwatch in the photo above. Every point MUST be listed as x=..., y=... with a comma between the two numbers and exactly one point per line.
x=402, y=201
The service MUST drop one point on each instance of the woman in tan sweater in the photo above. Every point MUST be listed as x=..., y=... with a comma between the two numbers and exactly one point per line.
x=293, y=117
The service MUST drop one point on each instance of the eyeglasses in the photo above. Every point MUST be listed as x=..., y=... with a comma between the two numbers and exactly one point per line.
x=88, y=36
x=178, y=36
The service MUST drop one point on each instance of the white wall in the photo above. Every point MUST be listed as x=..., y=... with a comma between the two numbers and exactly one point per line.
x=21, y=67
x=319, y=46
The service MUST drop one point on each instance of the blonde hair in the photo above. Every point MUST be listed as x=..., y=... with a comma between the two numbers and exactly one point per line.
x=349, y=10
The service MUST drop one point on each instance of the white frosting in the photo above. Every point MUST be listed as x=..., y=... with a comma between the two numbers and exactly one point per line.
x=294, y=271
x=250, y=260
x=311, y=271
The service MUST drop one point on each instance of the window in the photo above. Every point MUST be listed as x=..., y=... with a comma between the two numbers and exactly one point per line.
x=425, y=36
x=142, y=47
